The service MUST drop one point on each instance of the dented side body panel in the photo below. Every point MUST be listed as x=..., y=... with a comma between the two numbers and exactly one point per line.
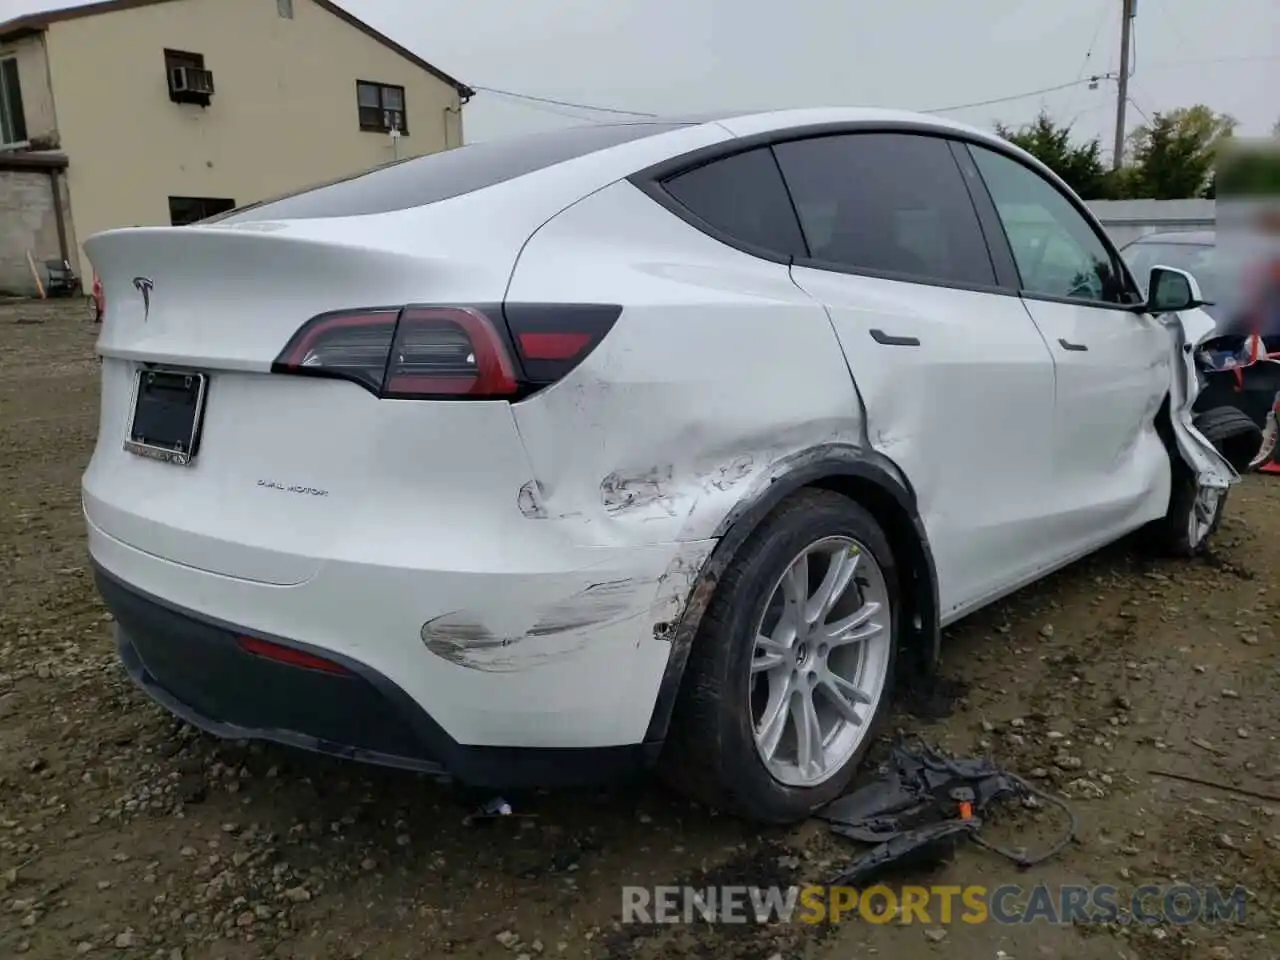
x=977, y=462
x=720, y=369
x=720, y=383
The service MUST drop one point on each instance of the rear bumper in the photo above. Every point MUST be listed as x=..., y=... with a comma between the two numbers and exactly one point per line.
x=194, y=666
x=558, y=653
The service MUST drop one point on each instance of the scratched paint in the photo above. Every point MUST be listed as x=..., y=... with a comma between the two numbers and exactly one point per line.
x=530, y=501
x=455, y=635
x=598, y=604
x=556, y=630
x=652, y=487
x=728, y=475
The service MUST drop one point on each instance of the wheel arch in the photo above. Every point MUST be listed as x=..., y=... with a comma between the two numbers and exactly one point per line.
x=869, y=478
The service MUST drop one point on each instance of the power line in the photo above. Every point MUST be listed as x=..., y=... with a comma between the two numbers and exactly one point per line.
x=548, y=102
x=559, y=112
x=1109, y=75
x=1104, y=8
x=564, y=103
x=1142, y=113
x=1013, y=96
x=1133, y=89
x=636, y=113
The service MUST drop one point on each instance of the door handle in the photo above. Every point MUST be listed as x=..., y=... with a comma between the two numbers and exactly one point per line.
x=889, y=340
x=1068, y=345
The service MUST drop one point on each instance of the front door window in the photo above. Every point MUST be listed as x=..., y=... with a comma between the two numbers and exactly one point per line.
x=1058, y=252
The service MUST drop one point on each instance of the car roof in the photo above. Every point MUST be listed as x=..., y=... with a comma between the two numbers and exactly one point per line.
x=743, y=122
x=560, y=174
x=609, y=150
x=1205, y=238
x=804, y=121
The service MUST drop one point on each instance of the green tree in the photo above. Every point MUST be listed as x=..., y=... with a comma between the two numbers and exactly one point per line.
x=1079, y=164
x=1174, y=154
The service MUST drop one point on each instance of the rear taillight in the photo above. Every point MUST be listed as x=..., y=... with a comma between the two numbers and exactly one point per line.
x=448, y=352
x=553, y=338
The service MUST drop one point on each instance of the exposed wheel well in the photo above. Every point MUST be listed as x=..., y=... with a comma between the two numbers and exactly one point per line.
x=918, y=638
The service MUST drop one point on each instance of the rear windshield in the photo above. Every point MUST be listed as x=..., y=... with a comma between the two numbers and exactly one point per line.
x=439, y=176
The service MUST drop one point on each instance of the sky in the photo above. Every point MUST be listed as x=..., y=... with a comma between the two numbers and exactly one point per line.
x=691, y=56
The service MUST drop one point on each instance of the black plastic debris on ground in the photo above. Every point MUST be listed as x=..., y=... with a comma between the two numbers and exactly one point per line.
x=922, y=806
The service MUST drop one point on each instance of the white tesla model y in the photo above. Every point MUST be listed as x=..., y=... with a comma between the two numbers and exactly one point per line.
x=663, y=442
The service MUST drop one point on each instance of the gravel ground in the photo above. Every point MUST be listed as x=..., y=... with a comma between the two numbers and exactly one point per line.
x=124, y=833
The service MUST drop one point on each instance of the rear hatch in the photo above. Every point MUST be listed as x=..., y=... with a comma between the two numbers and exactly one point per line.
x=207, y=458
x=275, y=331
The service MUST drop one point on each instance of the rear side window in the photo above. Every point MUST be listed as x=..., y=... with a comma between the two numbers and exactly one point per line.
x=449, y=173
x=886, y=203
x=743, y=198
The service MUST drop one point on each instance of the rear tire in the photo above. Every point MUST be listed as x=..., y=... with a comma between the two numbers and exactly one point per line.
x=718, y=750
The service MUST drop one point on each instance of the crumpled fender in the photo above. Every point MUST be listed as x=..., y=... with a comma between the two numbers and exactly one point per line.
x=1187, y=330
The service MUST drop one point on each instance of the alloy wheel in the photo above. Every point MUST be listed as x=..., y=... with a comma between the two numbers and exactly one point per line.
x=1204, y=510
x=821, y=656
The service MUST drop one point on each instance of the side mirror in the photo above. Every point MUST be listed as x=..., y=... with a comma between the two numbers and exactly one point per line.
x=1171, y=290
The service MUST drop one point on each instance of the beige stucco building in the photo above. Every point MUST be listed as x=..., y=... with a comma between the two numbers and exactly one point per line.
x=144, y=112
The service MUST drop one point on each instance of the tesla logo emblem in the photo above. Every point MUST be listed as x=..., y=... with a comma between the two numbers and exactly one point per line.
x=144, y=286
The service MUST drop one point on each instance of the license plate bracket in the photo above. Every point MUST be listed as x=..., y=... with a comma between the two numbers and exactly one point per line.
x=168, y=410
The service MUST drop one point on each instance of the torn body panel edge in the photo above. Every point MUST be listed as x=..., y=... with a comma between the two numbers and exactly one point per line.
x=1211, y=467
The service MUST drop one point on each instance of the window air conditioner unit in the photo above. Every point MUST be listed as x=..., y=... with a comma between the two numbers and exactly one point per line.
x=191, y=80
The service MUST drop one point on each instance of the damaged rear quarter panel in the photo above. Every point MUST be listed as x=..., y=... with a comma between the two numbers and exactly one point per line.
x=718, y=369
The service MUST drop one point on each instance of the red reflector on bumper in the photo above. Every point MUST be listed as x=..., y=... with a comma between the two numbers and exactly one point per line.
x=288, y=655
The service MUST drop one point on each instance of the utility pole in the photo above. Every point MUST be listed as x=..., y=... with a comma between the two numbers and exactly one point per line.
x=1130, y=10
